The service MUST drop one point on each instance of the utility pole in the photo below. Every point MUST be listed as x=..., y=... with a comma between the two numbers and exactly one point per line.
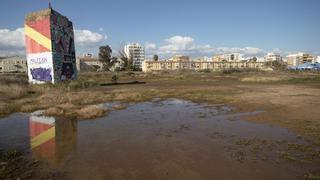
x=50, y=7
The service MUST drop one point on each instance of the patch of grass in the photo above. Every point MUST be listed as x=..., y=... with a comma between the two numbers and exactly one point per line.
x=299, y=147
x=15, y=165
x=14, y=91
x=120, y=107
x=298, y=80
x=90, y=112
x=239, y=156
x=286, y=156
x=311, y=177
x=262, y=79
x=245, y=142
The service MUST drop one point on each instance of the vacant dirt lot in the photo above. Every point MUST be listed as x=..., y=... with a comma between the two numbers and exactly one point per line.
x=289, y=99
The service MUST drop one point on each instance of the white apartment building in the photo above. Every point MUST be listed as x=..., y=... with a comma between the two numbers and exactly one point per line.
x=317, y=59
x=234, y=57
x=300, y=58
x=273, y=57
x=136, y=53
x=293, y=60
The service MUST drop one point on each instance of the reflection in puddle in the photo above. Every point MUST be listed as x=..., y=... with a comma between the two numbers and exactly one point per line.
x=50, y=139
x=162, y=139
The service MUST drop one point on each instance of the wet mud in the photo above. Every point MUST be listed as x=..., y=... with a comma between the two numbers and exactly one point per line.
x=163, y=139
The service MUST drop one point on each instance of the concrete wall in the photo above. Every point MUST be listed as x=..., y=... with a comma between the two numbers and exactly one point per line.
x=50, y=47
x=63, y=47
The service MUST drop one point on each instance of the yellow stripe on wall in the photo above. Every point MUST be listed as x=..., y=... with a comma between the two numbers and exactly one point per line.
x=38, y=37
x=43, y=137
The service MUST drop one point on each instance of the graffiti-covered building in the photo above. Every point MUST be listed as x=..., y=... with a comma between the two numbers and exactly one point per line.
x=50, y=47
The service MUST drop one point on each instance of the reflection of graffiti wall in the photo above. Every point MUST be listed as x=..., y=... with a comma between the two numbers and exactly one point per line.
x=51, y=140
x=50, y=47
x=42, y=136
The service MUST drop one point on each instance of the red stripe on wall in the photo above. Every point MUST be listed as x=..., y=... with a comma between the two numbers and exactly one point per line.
x=37, y=128
x=41, y=26
x=46, y=150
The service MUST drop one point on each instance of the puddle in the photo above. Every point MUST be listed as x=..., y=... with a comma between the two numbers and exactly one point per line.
x=169, y=139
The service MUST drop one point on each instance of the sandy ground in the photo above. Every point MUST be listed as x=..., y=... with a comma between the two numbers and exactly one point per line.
x=291, y=106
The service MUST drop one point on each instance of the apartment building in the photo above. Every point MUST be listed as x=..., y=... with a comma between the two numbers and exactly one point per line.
x=234, y=57
x=136, y=53
x=13, y=64
x=300, y=58
x=180, y=58
x=270, y=57
x=149, y=66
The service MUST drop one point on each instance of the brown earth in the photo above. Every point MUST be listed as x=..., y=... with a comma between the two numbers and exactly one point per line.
x=289, y=100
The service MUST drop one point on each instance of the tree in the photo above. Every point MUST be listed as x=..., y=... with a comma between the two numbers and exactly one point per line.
x=155, y=57
x=127, y=61
x=105, y=56
x=277, y=65
x=232, y=57
x=254, y=59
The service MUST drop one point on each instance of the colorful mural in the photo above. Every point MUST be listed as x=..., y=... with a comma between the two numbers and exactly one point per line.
x=63, y=47
x=41, y=74
x=50, y=47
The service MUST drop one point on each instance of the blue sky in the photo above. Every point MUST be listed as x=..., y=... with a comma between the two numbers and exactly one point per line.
x=202, y=27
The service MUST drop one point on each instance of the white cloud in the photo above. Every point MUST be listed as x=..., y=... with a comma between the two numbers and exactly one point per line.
x=245, y=50
x=12, y=41
x=188, y=46
x=182, y=45
x=150, y=46
x=177, y=43
x=85, y=37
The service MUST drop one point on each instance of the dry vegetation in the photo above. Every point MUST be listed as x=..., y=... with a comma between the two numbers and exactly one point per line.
x=290, y=99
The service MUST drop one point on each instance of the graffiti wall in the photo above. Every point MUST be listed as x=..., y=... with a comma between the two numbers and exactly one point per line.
x=40, y=67
x=39, y=47
x=50, y=47
x=63, y=47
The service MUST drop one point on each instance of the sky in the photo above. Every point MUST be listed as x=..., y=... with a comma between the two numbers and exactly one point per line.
x=168, y=27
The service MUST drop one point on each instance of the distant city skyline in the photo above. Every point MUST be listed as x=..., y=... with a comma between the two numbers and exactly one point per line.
x=166, y=28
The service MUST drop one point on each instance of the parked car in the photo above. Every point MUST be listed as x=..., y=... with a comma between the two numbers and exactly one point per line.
x=306, y=66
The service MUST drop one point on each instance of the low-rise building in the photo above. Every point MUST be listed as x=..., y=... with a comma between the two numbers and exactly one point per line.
x=270, y=57
x=180, y=58
x=117, y=65
x=149, y=66
x=89, y=63
x=204, y=58
x=300, y=58
x=234, y=57
x=14, y=64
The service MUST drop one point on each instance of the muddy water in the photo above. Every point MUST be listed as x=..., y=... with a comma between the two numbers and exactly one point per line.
x=169, y=139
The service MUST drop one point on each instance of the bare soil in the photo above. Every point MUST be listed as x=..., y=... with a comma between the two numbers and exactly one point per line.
x=288, y=99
